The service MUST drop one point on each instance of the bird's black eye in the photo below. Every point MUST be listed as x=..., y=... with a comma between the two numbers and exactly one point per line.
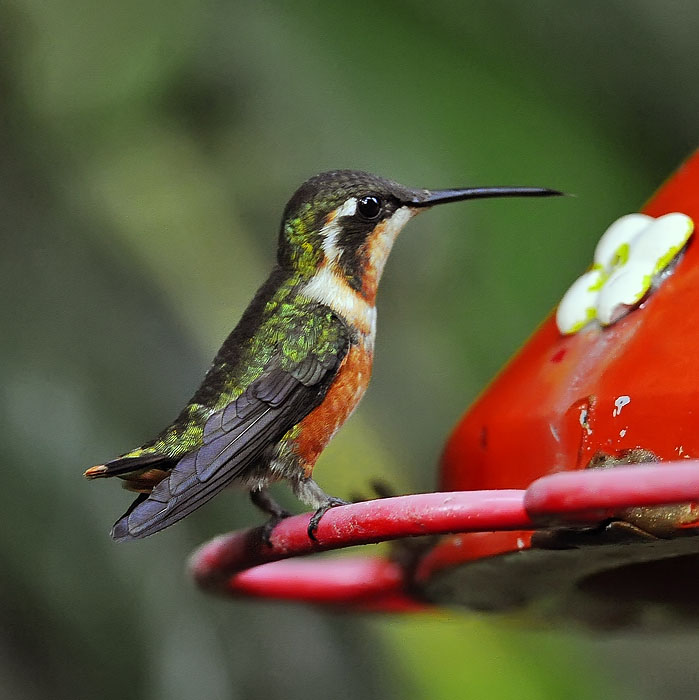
x=369, y=207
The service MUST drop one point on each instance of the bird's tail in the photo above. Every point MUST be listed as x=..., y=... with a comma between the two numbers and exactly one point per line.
x=140, y=472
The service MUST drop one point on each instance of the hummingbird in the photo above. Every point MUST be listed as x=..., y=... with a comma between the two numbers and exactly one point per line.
x=296, y=365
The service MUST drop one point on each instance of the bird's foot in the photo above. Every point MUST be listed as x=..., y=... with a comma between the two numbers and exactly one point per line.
x=262, y=499
x=271, y=523
x=332, y=502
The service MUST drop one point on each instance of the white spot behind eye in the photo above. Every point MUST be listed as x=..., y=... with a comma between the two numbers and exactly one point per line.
x=331, y=232
x=347, y=209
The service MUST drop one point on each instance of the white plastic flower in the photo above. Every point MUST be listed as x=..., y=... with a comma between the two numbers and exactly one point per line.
x=631, y=259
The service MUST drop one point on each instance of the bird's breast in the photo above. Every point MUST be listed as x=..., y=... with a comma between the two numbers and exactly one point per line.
x=316, y=430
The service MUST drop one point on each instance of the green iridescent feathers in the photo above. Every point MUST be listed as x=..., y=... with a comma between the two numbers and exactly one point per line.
x=300, y=243
x=279, y=319
x=288, y=327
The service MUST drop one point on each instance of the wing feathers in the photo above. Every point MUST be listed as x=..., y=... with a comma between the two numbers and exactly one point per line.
x=234, y=441
x=186, y=489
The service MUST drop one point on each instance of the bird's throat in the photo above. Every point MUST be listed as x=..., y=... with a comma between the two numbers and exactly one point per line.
x=331, y=288
x=377, y=248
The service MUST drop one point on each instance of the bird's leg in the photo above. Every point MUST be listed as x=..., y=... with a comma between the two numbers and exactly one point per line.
x=310, y=493
x=262, y=499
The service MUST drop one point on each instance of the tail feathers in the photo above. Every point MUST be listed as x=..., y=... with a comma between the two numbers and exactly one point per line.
x=127, y=465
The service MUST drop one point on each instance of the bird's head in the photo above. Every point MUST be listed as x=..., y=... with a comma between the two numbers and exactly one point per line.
x=347, y=221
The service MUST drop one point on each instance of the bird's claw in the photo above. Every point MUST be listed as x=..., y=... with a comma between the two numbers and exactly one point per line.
x=332, y=502
x=272, y=522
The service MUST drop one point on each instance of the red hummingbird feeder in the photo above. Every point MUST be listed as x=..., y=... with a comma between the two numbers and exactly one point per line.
x=569, y=489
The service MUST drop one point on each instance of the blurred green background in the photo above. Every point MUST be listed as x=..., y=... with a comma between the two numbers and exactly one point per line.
x=147, y=149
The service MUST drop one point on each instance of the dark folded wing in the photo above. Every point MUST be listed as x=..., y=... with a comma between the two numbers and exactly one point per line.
x=234, y=441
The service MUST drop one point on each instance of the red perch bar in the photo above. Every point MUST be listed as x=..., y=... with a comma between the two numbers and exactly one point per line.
x=240, y=564
x=536, y=503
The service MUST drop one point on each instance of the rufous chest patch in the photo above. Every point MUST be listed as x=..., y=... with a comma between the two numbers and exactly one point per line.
x=318, y=427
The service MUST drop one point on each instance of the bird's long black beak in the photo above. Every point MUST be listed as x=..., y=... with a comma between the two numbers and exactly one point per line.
x=428, y=198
